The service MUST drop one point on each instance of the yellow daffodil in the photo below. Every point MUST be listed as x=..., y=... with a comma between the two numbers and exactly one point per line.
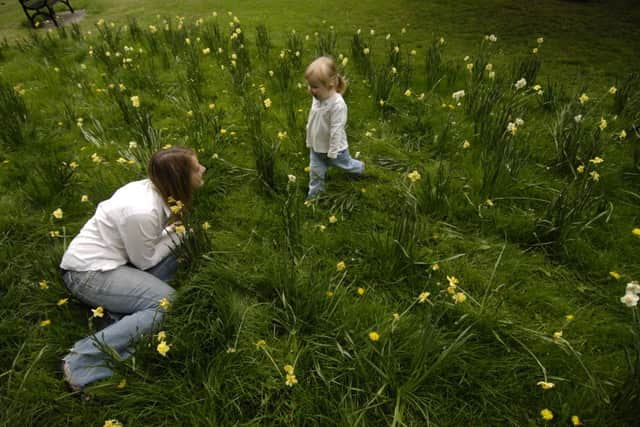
x=489, y=203
x=267, y=102
x=381, y=102
x=466, y=144
x=333, y=219
x=98, y=311
x=557, y=335
x=575, y=420
x=423, y=297
x=596, y=160
x=341, y=266
x=360, y=291
x=595, y=176
x=636, y=231
x=583, y=98
x=414, y=176
x=435, y=267
x=615, y=275
x=54, y=233
x=322, y=227
x=569, y=317
x=162, y=336
x=45, y=323
x=603, y=123
x=112, y=423
x=62, y=301
x=307, y=169
x=395, y=316
x=205, y=225
x=622, y=135
x=374, y=336
x=43, y=284
x=177, y=207
x=459, y=297
x=407, y=92
x=164, y=303
x=135, y=101
x=163, y=348
x=537, y=87
x=329, y=294
x=540, y=40
x=180, y=229
x=260, y=343
x=57, y=214
x=84, y=198
x=546, y=414
x=291, y=380
x=122, y=384
x=545, y=385
x=580, y=169
x=206, y=51
x=613, y=90
x=453, y=280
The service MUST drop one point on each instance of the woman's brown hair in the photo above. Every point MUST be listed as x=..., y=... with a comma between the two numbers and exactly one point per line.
x=170, y=170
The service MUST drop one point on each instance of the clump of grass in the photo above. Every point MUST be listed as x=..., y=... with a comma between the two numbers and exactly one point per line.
x=263, y=42
x=14, y=115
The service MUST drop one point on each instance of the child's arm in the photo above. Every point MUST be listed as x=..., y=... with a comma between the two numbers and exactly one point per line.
x=337, y=133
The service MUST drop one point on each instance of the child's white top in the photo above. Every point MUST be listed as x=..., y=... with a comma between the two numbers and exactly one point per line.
x=326, y=126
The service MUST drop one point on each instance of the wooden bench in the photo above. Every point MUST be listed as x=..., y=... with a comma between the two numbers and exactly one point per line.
x=43, y=8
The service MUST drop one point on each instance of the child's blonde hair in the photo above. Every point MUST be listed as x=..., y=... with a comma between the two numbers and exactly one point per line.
x=324, y=70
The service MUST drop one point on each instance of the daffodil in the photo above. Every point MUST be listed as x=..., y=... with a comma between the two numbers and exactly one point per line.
x=613, y=90
x=423, y=297
x=333, y=219
x=557, y=335
x=435, y=267
x=62, y=301
x=545, y=385
x=122, y=384
x=84, y=198
x=341, y=266
x=407, y=92
x=414, y=176
x=546, y=414
x=180, y=229
x=261, y=343
x=205, y=225
x=596, y=160
x=615, y=275
x=603, y=123
x=163, y=348
x=43, y=284
x=395, y=316
x=57, y=214
x=575, y=420
x=267, y=102
x=360, y=291
x=580, y=169
x=453, y=280
x=622, y=135
x=135, y=101
x=459, y=297
x=98, y=311
x=374, y=336
x=595, y=176
x=584, y=98
x=636, y=231
x=112, y=423
x=164, y=303
x=162, y=336
x=569, y=317
x=44, y=323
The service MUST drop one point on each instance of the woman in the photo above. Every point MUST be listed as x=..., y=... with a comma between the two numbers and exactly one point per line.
x=121, y=260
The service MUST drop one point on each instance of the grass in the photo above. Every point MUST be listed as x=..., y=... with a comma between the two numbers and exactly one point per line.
x=530, y=238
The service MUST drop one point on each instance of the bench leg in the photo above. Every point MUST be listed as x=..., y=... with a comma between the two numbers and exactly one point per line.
x=52, y=15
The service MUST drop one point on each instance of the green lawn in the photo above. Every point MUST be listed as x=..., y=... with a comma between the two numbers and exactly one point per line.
x=524, y=233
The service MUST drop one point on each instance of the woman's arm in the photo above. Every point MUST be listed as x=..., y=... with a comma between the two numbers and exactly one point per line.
x=144, y=240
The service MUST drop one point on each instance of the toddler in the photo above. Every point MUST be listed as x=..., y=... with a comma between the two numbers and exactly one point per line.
x=326, y=136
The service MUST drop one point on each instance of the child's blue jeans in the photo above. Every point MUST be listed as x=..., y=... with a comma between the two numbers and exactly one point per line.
x=128, y=291
x=319, y=162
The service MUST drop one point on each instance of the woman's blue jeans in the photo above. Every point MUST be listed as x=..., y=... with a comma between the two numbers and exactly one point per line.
x=127, y=291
